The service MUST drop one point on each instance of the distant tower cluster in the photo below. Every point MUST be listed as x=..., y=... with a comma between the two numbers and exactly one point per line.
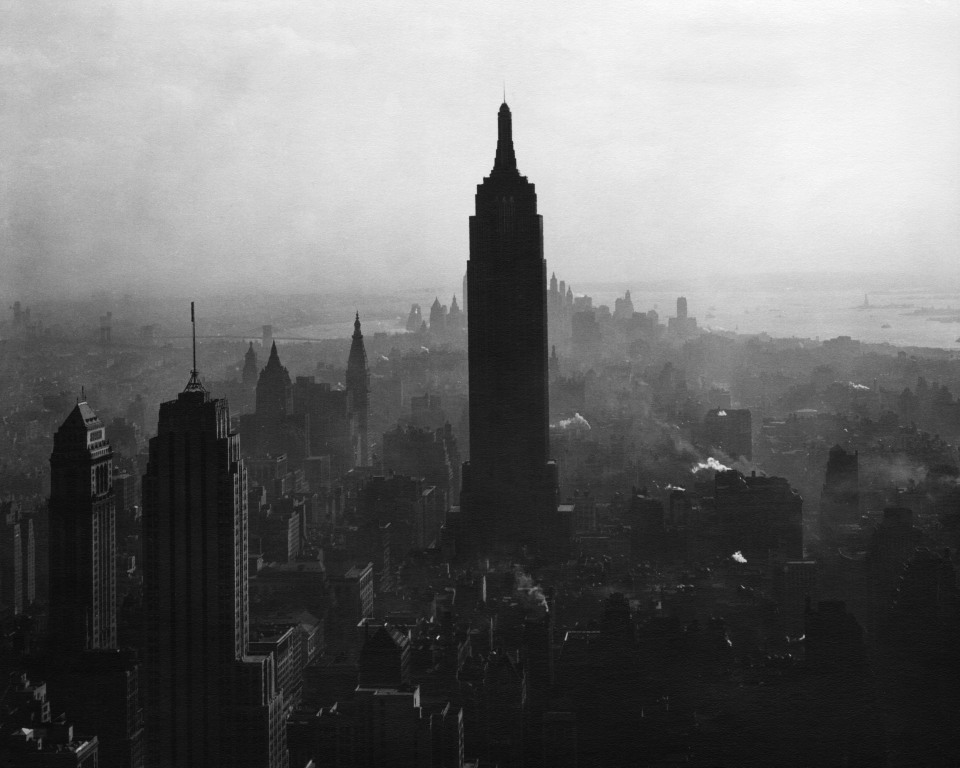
x=445, y=323
x=559, y=312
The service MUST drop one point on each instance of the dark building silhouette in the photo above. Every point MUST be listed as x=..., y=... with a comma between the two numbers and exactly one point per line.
x=682, y=324
x=331, y=421
x=358, y=385
x=438, y=317
x=18, y=559
x=83, y=547
x=730, y=430
x=430, y=454
x=208, y=703
x=414, y=319
x=834, y=638
x=250, y=369
x=456, y=318
x=97, y=682
x=760, y=516
x=840, y=500
x=508, y=489
x=385, y=659
x=31, y=736
x=585, y=336
x=274, y=403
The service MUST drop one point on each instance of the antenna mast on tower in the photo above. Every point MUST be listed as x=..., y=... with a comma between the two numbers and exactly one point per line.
x=194, y=384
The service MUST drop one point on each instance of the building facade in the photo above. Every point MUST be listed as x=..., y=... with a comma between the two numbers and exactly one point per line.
x=509, y=491
x=83, y=547
x=207, y=702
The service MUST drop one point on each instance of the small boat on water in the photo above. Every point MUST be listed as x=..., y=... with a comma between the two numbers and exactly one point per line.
x=885, y=325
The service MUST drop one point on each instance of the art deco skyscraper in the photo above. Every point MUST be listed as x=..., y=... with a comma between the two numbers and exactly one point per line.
x=358, y=385
x=207, y=702
x=509, y=489
x=83, y=545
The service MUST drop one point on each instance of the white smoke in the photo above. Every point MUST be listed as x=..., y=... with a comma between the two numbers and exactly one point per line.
x=525, y=586
x=858, y=387
x=738, y=556
x=575, y=422
x=710, y=463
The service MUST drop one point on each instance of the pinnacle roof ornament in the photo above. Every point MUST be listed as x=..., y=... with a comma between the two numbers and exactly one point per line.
x=194, y=385
x=506, y=159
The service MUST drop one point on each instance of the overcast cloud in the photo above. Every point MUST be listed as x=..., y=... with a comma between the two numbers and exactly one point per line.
x=319, y=146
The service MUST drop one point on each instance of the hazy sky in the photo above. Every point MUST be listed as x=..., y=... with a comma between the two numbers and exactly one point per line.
x=327, y=145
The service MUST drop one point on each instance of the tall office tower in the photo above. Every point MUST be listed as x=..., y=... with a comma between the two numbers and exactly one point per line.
x=86, y=671
x=358, y=385
x=250, y=370
x=274, y=401
x=509, y=491
x=207, y=702
x=840, y=499
x=83, y=544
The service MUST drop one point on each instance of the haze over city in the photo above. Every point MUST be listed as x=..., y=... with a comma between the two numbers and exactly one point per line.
x=518, y=386
x=218, y=145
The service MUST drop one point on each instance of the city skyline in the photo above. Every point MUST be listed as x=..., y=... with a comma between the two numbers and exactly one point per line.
x=669, y=141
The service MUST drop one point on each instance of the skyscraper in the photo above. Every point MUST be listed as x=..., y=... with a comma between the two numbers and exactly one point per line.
x=509, y=491
x=83, y=546
x=250, y=370
x=208, y=703
x=274, y=402
x=358, y=385
x=98, y=683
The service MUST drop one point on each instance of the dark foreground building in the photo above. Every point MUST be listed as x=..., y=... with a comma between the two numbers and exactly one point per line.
x=96, y=682
x=509, y=489
x=83, y=547
x=208, y=703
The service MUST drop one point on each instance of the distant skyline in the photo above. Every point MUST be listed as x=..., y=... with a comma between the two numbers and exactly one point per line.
x=281, y=144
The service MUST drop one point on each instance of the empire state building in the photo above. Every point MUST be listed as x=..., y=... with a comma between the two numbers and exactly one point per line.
x=509, y=488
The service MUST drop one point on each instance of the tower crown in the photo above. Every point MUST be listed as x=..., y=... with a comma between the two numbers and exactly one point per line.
x=506, y=160
x=357, y=377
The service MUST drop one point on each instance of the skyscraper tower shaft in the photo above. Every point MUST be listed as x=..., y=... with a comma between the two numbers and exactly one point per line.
x=207, y=702
x=508, y=484
x=83, y=546
x=358, y=385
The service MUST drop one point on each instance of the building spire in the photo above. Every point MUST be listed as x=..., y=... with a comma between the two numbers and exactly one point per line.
x=356, y=326
x=506, y=161
x=194, y=384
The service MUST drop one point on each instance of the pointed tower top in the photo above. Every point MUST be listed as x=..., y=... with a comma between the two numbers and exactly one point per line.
x=506, y=160
x=356, y=326
x=273, y=353
x=194, y=385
